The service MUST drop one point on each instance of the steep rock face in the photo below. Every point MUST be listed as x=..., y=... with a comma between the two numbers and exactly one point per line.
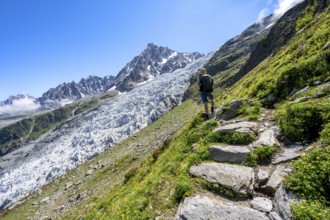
x=235, y=51
x=152, y=62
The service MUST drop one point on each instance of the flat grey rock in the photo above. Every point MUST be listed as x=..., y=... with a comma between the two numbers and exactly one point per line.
x=204, y=208
x=238, y=178
x=228, y=153
x=289, y=153
x=235, y=126
x=266, y=138
x=262, y=204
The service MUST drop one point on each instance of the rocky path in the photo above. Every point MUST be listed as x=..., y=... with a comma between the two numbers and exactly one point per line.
x=261, y=188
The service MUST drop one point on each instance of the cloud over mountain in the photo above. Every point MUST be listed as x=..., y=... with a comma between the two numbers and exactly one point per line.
x=19, y=105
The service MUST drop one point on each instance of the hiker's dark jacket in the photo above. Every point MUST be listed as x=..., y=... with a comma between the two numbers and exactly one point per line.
x=205, y=83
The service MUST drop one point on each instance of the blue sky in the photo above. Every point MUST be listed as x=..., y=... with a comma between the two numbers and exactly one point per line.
x=47, y=42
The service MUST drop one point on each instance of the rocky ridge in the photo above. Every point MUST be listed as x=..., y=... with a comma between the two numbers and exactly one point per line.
x=260, y=188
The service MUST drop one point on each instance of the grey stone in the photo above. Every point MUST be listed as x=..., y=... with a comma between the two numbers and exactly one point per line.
x=245, y=131
x=45, y=200
x=266, y=138
x=232, y=112
x=289, y=153
x=262, y=204
x=229, y=153
x=276, y=178
x=263, y=175
x=204, y=208
x=274, y=216
x=198, y=207
x=238, y=178
x=301, y=91
x=233, y=127
x=282, y=201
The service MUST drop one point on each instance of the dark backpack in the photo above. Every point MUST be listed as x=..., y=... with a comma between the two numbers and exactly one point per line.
x=206, y=83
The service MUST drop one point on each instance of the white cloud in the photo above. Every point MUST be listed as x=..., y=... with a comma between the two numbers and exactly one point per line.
x=280, y=7
x=20, y=106
x=263, y=13
x=284, y=5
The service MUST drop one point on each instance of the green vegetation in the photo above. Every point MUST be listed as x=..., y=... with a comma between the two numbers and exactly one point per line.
x=11, y=136
x=250, y=110
x=305, y=60
x=85, y=106
x=230, y=138
x=261, y=155
x=310, y=180
x=325, y=134
x=305, y=120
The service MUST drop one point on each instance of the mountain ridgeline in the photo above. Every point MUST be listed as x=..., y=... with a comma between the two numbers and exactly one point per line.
x=141, y=155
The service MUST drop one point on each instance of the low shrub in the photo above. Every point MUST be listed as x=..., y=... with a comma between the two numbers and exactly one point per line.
x=182, y=189
x=265, y=153
x=307, y=209
x=303, y=121
x=229, y=138
x=200, y=130
x=325, y=134
x=310, y=178
x=131, y=173
x=261, y=155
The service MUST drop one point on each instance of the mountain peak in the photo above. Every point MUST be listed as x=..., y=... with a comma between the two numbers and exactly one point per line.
x=152, y=62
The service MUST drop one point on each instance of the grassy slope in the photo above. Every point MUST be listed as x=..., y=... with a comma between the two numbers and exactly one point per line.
x=113, y=165
x=157, y=185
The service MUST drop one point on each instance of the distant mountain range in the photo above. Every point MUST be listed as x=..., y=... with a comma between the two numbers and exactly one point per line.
x=152, y=62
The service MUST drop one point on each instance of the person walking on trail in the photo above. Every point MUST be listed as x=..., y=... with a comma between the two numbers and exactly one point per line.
x=205, y=83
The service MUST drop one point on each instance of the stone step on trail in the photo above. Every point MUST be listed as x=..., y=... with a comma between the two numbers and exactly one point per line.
x=204, y=208
x=238, y=178
x=242, y=127
x=228, y=153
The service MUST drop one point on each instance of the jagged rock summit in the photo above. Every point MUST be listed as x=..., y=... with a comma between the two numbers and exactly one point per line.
x=92, y=85
x=152, y=62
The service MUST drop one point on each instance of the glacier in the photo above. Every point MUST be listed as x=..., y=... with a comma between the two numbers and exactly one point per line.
x=89, y=134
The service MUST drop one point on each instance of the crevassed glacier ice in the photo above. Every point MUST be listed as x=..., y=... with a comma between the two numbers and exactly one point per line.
x=89, y=134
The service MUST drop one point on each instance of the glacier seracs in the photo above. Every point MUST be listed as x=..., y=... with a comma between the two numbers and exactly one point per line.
x=89, y=134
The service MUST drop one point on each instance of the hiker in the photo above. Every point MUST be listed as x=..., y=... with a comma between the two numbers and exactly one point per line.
x=205, y=83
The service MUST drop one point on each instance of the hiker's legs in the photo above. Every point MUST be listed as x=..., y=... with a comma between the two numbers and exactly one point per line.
x=212, y=106
x=206, y=108
x=205, y=96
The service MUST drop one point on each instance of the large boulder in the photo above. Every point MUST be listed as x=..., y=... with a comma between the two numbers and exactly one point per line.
x=238, y=178
x=228, y=153
x=204, y=208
